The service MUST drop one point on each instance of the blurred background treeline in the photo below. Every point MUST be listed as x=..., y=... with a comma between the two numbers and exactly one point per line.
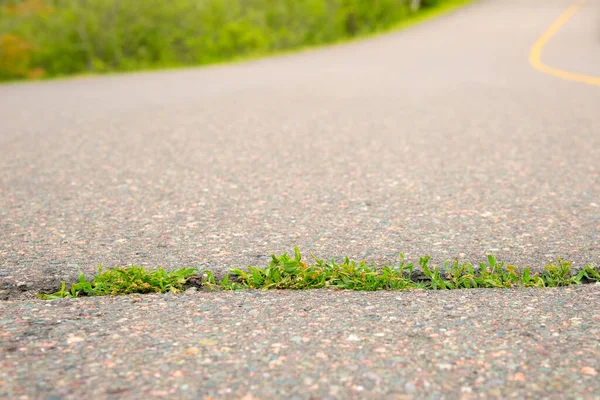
x=46, y=38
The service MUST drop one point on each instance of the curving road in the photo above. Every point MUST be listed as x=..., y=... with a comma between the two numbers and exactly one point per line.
x=440, y=139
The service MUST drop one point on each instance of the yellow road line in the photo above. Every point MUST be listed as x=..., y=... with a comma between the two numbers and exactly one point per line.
x=536, y=51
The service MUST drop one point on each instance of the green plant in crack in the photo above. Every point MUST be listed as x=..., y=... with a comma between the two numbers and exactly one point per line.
x=559, y=274
x=292, y=272
x=286, y=272
x=125, y=281
x=494, y=274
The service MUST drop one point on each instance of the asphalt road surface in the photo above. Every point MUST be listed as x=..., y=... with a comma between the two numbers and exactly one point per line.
x=469, y=344
x=440, y=139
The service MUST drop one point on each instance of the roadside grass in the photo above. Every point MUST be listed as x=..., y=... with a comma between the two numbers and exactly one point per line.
x=57, y=38
x=291, y=272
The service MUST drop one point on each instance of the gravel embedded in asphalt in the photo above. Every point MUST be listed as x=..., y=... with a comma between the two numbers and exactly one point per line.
x=436, y=140
x=515, y=343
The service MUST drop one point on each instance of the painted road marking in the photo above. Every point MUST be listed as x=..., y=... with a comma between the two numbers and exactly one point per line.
x=536, y=51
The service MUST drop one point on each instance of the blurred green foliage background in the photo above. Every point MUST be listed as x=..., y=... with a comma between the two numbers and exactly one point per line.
x=45, y=38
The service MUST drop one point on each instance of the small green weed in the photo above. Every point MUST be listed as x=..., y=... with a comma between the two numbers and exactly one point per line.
x=124, y=281
x=291, y=272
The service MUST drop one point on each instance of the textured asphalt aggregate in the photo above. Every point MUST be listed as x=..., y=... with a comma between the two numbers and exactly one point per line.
x=527, y=343
x=439, y=139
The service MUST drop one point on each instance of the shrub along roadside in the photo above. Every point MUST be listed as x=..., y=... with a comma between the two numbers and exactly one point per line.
x=291, y=272
x=61, y=37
